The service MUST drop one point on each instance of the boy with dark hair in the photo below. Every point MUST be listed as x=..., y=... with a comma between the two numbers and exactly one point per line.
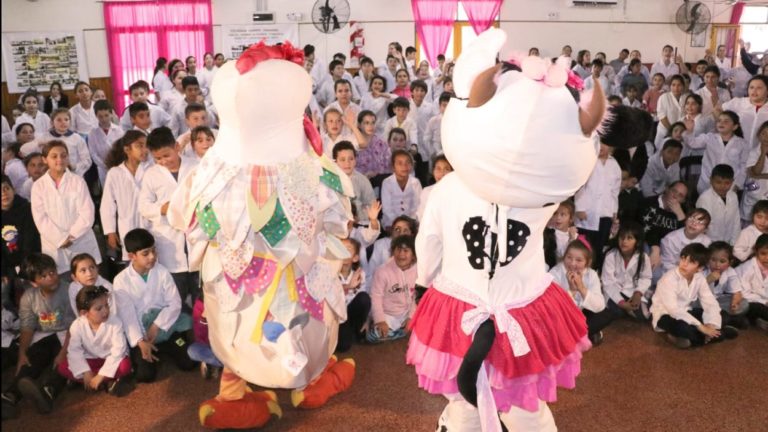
x=45, y=316
x=101, y=137
x=195, y=115
x=345, y=156
x=192, y=95
x=149, y=306
x=159, y=183
x=722, y=204
x=326, y=90
x=140, y=117
x=674, y=307
x=139, y=92
x=663, y=169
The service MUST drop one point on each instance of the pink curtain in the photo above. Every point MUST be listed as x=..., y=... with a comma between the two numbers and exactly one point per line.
x=434, y=24
x=736, y=12
x=730, y=46
x=140, y=32
x=481, y=13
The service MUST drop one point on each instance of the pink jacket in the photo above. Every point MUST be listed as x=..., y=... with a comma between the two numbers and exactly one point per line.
x=392, y=291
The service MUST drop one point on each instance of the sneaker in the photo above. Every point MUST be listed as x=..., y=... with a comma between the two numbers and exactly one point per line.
x=645, y=310
x=596, y=338
x=730, y=332
x=41, y=396
x=762, y=324
x=120, y=387
x=679, y=342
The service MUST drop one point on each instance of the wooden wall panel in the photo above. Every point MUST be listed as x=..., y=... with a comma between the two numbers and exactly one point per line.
x=11, y=99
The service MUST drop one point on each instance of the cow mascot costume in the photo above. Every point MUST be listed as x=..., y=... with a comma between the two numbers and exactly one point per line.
x=263, y=214
x=493, y=333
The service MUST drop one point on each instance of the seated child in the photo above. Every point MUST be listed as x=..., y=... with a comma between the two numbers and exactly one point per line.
x=352, y=277
x=202, y=139
x=403, y=225
x=200, y=350
x=631, y=99
x=440, y=167
x=575, y=275
x=559, y=233
x=745, y=242
x=630, y=198
x=36, y=167
x=345, y=156
x=373, y=160
x=400, y=191
x=626, y=275
x=663, y=169
x=85, y=273
x=392, y=293
x=755, y=284
x=332, y=131
x=366, y=235
x=401, y=107
x=693, y=232
x=722, y=204
x=45, y=317
x=149, y=305
x=97, y=352
x=725, y=283
x=673, y=308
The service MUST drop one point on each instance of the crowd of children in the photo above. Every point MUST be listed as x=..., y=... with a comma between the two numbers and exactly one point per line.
x=95, y=296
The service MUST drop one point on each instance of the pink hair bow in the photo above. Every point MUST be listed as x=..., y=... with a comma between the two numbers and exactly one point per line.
x=582, y=238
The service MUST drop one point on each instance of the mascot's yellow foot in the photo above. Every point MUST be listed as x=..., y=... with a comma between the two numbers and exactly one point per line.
x=252, y=411
x=336, y=378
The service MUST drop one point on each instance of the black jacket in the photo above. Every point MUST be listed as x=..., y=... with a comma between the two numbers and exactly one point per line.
x=19, y=235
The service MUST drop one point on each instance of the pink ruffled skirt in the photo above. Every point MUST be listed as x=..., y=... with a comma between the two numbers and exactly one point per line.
x=554, y=327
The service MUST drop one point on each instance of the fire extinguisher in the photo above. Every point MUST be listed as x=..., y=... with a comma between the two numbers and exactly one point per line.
x=356, y=43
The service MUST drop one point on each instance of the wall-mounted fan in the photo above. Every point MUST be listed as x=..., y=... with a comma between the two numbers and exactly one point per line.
x=329, y=16
x=693, y=17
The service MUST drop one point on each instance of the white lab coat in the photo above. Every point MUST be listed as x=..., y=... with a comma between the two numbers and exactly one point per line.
x=161, y=82
x=674, y=296
x=83, y=120
x=79, y=155
x=670, y=108
x=749, y=198
x=136, y=297
x=396, y=201
x=120, y=201
x=100, y=143
x=674, y=242
x=16, y=172
x=707, y=107
x=408, y=125
x=157, y=187
x=599, y=197
x=379, y=107
x=75, y=287
x=754, y=287
x=169, y=99
x=726, y=220
x=433, y=144
x=41, y=121
x=63, y=211
x=745, y=242
x=594, y=300
x=618, y=279
x=729, y=282
x=665, y=69
x=421, y=115
x=749, y=117
x=107, y=342
x=657, y=177
x=735, y=154
x=157, y=116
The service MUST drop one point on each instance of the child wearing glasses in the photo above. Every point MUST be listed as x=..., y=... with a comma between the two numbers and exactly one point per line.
x=696, y=225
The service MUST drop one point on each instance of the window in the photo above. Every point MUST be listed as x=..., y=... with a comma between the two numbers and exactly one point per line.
x=754, y=27
x=138, y=33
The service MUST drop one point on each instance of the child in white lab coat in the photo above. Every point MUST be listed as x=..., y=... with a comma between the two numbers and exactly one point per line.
x=85, y=273
x=559, y=233
x=693, y=232
x=597, y=202
x=745, y=243
x=82, y=113
x=149, y=306
x=127, y=163
x=722, y=204
x=575, y=276
x=674, y=304
x=400, y=192
x=157, y=187
x=79, y=155
x=63, y=210
x=352, y=277
x=725, y=284
x=102, y=136
x=755, y=283
x=663, y=169
x=97, y=355
x=627, y=274
x=32, y=114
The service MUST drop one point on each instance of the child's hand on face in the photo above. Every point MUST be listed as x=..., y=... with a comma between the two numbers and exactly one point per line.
x=713, y=276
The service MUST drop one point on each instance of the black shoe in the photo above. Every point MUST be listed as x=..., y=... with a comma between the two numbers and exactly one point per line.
x=730, y=332
x=120, y=387
x=679, y=342
x=9, y=406
x=596, y=338
x=41, y=396
x=761, y=324
x=740, y=322
x=215, y=372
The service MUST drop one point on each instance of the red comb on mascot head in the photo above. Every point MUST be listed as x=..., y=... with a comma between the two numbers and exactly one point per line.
x=493, y=333
x=264, y=212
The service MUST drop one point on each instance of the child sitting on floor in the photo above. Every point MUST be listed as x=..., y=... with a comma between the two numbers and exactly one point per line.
x=755, y=283
x=745, y=242
x=725, y=283
x=352, y=277
x=392, y=293
x=626, y=274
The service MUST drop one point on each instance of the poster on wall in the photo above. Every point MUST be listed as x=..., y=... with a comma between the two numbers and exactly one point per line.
x=236, y=38
x=37, y=59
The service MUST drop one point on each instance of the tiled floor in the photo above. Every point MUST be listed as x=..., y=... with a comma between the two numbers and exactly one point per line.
x=635, y=381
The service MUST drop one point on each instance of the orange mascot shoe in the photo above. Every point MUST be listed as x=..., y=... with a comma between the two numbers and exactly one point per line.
x=254, y=410
x=336, y=378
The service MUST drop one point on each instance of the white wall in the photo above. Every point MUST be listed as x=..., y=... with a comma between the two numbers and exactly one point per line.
x=643, y=24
